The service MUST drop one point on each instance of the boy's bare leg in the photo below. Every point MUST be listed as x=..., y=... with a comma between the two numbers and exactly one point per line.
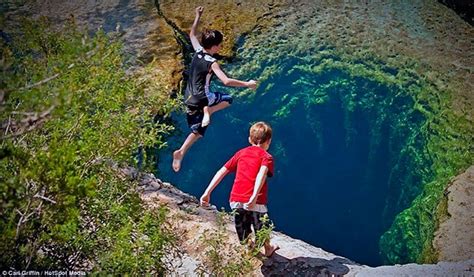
x=206, y=119
x=179, y=154
x=208, y=111
x=218, y=107
x=269, y=249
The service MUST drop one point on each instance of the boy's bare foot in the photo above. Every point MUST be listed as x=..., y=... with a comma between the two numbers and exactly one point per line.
x=206, y=120
x=250, y=244
x=177, y=158
x=270, y=250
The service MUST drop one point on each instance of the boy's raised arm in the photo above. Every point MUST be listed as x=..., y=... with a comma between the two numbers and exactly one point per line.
x=259, y=181
x=192, y=34
x=205, y=198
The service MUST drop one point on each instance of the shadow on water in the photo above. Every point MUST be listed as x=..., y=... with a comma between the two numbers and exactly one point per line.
x=278, y=265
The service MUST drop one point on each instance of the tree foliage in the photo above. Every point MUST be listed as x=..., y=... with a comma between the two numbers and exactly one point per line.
x=67, y=107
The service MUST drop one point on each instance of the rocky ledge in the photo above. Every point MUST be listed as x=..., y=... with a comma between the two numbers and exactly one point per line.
x=454, y=239
x=295, y=257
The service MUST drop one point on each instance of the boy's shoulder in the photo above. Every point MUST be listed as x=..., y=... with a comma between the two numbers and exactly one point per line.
x=255, y=149
x=209, y=58
x=267, y=154
x=201, y=54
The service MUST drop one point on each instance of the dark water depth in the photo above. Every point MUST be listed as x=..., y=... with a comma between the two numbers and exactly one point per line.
x=334, y=156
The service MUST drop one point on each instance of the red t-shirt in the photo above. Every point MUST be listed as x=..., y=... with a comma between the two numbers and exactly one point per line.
x=247, y=162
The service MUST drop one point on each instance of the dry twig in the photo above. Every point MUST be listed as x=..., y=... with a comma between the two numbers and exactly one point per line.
x=27, y=124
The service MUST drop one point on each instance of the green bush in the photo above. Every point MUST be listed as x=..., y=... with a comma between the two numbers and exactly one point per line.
x=67, y=106
x=222, y=259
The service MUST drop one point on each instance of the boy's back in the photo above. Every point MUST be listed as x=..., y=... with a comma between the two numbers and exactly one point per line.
x=248, y=198
x=246, y=163
x=200, y=76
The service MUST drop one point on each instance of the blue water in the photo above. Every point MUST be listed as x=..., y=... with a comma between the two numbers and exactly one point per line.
x=332, y=166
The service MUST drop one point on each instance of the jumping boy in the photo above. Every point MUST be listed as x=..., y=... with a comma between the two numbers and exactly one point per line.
x=248, y=197
x=200, y=102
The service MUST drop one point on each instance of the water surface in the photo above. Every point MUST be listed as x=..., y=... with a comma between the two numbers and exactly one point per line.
x=346, y=89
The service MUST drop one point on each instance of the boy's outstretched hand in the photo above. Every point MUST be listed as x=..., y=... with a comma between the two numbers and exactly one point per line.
x=204, y=200
x=199, y=10
x=252, y=84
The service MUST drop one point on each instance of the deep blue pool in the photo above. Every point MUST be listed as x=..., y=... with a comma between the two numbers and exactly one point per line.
x=335, y=151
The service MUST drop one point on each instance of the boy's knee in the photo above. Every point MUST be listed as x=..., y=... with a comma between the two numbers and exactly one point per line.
x=228, y=99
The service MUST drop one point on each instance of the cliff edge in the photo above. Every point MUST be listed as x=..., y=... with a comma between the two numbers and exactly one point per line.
x=192, y=222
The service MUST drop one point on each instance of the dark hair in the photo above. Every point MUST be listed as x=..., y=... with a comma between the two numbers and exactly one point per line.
x=210, y=38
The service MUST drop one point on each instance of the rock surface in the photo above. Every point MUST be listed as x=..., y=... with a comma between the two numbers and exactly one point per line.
x=455, y=237
x=465, y=9
x=232, y=18
x=148, y=38
x=145, y=29
x=465, y=268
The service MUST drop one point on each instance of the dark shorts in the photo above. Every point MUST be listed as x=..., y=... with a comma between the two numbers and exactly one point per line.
x=194, y=114
x=215, y=98
x=244, y=219
x=194, y=119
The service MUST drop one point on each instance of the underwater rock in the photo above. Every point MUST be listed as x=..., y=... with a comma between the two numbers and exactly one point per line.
x=136, y=21
x=465, y=9
x=418, y=47
x=147, y=38
x=234, y=19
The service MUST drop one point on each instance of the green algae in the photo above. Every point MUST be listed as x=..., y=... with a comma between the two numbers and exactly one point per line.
x=434, y=152
x=407, y=50
x=410, y=237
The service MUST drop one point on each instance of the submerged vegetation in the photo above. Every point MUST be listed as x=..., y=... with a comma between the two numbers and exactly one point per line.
x=68, y=111
x=424, y=97
x=436, y=148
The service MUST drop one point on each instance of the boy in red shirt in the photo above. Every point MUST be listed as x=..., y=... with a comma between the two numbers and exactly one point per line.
x=248, y=197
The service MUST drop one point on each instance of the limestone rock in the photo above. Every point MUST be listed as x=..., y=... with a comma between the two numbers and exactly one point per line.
x=465, y=268
x=455, y=237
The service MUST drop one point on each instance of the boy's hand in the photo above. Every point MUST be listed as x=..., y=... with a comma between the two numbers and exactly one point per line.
x=199, y=11
x=251, y=204
x=204, y=200
x=252, y=84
